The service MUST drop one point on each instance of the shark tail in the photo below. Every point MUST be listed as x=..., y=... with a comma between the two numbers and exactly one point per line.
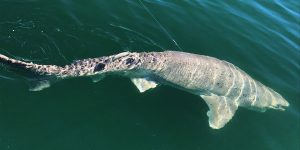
x=38, y=76
x=12, y=62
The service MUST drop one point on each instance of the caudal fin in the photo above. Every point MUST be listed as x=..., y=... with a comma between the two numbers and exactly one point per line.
x=12, y=62
x=36, y=79
x=25, y=69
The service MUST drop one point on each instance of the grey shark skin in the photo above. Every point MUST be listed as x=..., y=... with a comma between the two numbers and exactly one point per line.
x=223, y=86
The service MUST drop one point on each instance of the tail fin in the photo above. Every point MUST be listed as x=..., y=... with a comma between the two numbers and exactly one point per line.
x=29, y=70
x=36, y=74
x=12, y=62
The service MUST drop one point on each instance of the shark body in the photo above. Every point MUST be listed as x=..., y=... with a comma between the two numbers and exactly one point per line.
x=223, y=86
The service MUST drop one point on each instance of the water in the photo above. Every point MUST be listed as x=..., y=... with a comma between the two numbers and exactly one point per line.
x=262, y=38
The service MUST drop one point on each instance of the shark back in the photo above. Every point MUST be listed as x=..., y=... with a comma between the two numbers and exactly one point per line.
x=222, y=85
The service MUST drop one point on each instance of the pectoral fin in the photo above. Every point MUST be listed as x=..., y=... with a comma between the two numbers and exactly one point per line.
x=143, y=84
x=221, y=110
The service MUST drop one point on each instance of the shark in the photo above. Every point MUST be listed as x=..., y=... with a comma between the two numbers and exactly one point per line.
x=223, y=86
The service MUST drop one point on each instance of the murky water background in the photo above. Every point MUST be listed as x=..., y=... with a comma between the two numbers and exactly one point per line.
x=262, y=38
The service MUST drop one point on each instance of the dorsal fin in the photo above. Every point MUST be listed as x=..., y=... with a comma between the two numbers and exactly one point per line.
x=120, y=55
x=221, y=110
x=143, y=84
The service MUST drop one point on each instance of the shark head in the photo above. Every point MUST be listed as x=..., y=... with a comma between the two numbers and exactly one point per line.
x=122, y=63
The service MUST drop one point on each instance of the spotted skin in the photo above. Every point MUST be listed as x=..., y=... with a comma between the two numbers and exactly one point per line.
x=223, y=86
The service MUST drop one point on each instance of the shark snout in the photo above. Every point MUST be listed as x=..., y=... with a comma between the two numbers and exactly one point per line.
x=280, y=104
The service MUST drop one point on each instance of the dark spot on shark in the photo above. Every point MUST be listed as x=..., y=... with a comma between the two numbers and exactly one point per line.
x=154, y=59
x=99, y=67
x=129, y=61
x=106, y=60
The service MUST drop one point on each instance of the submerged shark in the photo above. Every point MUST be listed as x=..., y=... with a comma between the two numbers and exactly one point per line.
x=223, y=86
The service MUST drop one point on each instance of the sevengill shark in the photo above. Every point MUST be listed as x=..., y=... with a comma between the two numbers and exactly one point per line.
x=223, y=86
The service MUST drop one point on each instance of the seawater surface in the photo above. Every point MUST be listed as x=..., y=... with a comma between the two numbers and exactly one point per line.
x=260, y=37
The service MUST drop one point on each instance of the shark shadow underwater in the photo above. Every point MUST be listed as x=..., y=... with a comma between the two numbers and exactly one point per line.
x=223, y=86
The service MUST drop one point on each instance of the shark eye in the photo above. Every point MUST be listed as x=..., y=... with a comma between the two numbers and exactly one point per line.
x=99, y=67
x=129, y=61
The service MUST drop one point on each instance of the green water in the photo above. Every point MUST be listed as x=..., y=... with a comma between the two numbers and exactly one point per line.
x=262, y=38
